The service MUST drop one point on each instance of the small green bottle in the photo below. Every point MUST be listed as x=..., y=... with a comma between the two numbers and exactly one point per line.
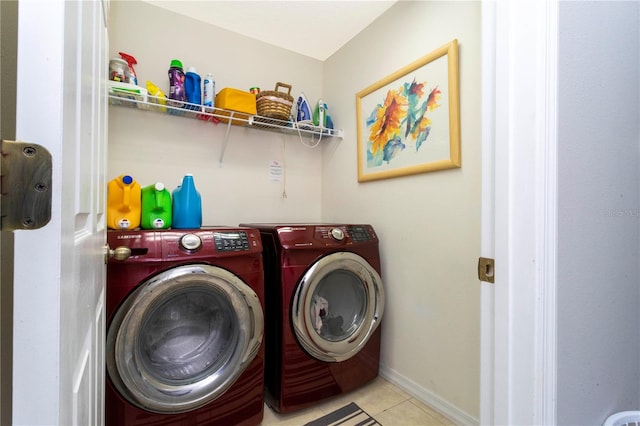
x=156, y=207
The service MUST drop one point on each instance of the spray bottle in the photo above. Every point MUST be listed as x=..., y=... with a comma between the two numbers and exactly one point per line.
x=131, y=61
x=318, y=114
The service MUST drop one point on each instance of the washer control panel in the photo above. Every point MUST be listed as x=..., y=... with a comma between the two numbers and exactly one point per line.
x=192, y=244
x=231, y=241
x=360, y=233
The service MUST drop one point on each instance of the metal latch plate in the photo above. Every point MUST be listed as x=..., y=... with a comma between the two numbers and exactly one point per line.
x=486, y=269
x=25, y=169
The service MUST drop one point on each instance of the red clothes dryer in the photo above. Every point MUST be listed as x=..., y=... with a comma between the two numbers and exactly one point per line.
x=185, y=328
x=323, y=308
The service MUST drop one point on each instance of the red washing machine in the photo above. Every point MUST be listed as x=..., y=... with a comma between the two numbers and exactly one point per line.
x=323, y=309
x=185, y=327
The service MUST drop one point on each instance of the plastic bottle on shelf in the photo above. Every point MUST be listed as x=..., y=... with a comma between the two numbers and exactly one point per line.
x=123, y=203
x=209, y=91
x=156, y=95
x=318, y=114
x=176, y=83
x=130, y=72
x=156, y=207
x=193, y=90
x=187, y=205
x=117, y=70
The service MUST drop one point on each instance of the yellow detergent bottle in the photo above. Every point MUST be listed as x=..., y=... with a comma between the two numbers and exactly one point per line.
x=124, y=203
x=157, y=95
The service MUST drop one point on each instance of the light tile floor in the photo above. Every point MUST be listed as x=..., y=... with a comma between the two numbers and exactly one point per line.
x=388, y=404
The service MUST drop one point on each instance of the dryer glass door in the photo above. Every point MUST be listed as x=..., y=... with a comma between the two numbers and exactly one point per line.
x=183, y=337
x=337, y=306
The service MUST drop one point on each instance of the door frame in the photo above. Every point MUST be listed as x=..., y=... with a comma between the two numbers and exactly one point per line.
x=8, y=67
x=519, y=145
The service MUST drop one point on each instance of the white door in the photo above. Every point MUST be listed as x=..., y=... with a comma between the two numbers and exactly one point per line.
x=59, y=271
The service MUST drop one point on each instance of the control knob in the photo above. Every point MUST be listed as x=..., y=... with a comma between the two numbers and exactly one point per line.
x=337, y=234
x=190, y=242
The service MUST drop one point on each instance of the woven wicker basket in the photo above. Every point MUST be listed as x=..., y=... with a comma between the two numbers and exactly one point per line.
x=274, y=103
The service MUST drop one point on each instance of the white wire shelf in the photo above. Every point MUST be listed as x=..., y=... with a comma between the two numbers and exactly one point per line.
x=218, y=115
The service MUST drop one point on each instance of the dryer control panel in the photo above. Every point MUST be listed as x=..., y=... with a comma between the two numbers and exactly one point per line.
x=325, y=235
x=350, y=233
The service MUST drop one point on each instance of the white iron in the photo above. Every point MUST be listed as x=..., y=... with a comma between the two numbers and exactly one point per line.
x=303, y=114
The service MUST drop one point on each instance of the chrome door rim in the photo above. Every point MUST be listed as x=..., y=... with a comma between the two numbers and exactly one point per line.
x=146, y=392
x=311, y=341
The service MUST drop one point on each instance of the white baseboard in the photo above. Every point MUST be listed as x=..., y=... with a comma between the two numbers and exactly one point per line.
x=447, y=409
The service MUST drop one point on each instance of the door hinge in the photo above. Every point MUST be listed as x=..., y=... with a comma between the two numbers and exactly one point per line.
x=486, y=269
x=25, y=185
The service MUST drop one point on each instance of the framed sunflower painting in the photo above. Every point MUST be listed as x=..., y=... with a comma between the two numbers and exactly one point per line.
x=409, y=122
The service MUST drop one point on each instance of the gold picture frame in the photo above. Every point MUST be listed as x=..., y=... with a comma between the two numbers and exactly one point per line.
x=412, y=121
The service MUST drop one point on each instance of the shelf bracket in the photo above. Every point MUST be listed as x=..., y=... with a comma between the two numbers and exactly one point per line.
x=226, y=140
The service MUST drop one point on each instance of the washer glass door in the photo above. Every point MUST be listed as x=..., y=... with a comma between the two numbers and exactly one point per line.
x=337, y=306
x=183, y=337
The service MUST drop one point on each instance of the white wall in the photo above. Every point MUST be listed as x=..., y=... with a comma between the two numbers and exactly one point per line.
x=598, y=211
x=428, y=224
x=154, y=147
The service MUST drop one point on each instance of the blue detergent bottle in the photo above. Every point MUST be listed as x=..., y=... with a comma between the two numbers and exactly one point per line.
x=187, y=205
x=193, y=89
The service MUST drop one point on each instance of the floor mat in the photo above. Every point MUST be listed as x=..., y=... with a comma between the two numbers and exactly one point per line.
x=349, y=415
